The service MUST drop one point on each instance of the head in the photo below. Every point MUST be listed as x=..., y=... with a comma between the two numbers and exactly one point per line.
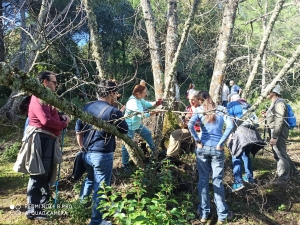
x=48, y=79
x=108, y=91
x=231, y=83
x=208, y=104
x=275, y=93
x=234, y=97
x=139, y=91
x=194, y=98
x=143, y=82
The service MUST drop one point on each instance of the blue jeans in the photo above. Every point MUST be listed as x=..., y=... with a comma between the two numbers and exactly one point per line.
x=238, y=170
x=208, y=158
x=144, y=133
x=99, y=168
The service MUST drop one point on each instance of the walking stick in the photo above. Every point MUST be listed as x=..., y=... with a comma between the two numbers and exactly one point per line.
x=62, y=145
x=265, y=131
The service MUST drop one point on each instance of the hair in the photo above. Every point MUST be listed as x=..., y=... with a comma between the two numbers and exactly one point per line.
x=195, y=94
x=234, y=97
x=105, y=87
x=45, y=75
x=138, y=89
x=24, y=105
x=208, y=105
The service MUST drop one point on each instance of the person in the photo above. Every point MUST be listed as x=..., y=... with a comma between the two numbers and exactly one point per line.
x=210, y=155
x=143, y=82
x=100, y=149
x=279, y=132
x=234, y=88
x=225, y=93
x=44, y=118
x=190, y=90
x=136, y=103
x=244, y=141
x=183, y=134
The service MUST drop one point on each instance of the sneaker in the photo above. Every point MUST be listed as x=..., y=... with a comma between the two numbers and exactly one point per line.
x=230, y=216
x=127, y=169
x=280, y=182
x=237, y=187
x=203, y=220
x=104, y=222
x=248, y=180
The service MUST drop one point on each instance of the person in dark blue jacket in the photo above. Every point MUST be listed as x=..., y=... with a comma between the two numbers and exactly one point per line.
x=100, y=150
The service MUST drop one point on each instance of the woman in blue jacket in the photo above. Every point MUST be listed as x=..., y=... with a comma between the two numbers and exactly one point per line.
x=136, y=103
x=210, y=154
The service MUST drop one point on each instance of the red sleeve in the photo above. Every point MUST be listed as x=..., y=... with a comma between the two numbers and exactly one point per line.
x=43, y=113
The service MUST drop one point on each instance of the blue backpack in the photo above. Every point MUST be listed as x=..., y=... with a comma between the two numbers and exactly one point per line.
x=291, y=120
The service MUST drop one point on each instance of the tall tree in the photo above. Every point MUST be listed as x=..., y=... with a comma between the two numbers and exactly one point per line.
x=2, y=49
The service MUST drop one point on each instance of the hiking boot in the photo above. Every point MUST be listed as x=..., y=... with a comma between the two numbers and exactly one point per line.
x=280, y=182
x=230, y=216
x=237, y=187
x=248, y=180
x=127, y=169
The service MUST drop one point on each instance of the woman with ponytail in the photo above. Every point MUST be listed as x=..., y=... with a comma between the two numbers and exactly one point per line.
x=210, y=154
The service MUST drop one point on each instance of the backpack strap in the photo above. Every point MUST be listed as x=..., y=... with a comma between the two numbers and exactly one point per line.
x=92, y=132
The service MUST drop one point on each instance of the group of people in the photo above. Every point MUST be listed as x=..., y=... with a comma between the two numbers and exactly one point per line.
x=204, y=122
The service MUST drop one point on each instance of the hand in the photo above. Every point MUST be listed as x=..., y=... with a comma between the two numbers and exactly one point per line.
x=220, y=148
x=200, y=145
x=66, y=119
x=263, y=113
x=273, y=141
x=154, y=113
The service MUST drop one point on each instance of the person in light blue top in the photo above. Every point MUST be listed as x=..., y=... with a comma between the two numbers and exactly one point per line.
x=210, y=155
x=136, y=103
x=234, y=88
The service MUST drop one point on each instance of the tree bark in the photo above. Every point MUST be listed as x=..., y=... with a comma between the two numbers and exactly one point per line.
x=156, y=62
x=17, y=80
x=2, y=49
x=262, y=47
x=223, y=51
x=264, y=59
x=95, y=38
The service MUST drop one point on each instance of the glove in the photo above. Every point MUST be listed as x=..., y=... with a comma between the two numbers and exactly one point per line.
x=159, y=102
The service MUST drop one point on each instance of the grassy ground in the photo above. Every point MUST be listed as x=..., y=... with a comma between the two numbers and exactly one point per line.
x=260, y=203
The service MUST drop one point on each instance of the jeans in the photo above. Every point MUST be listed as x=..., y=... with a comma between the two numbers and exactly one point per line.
x=237, y=167
x=99, y=168
x=224, y=103
x=210, y=159
x=144, y=133
x=38, y=193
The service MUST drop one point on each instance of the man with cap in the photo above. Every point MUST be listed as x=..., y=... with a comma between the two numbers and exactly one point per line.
x=279, y=132
x=101, y=146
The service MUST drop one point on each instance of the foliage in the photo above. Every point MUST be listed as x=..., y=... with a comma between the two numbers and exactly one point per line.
x=10, y=154
x=144, y=210
x=79, y=102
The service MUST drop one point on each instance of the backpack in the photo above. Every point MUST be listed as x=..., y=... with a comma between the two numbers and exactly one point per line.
x=291, y=120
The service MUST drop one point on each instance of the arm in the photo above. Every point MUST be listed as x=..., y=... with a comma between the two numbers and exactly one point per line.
x=121, y=125
x=280, y=109
x=240, y=91
x=147, y=104
x=80, y=139
x=132, y=107
x=191, y=125
x=79, y=136
x=43, y=113
x=229, y=127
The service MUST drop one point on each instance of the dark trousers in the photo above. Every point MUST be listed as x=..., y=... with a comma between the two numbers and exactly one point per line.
x=38, y=187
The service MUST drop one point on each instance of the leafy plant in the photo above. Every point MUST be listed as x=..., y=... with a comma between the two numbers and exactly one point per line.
x=145, y=210
x=282, y=207
x=10, y=154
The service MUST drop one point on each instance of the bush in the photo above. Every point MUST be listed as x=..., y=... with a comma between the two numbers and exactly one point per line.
x=10, y=154
x=143, y=210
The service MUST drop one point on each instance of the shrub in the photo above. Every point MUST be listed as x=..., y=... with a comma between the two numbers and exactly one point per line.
x=10, y=154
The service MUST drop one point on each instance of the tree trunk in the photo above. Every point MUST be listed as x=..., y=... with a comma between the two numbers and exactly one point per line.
x=154, y=48
x=18, y=80
x=95, y=38
x=2, y=49
x=262, y=47
x=223, y=51
x=264, y=59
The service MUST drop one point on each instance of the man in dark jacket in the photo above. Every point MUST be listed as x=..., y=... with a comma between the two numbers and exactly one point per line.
x=44, y=117
x=100, y=149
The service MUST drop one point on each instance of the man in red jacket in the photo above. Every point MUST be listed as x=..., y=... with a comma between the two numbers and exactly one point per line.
x=44, y=117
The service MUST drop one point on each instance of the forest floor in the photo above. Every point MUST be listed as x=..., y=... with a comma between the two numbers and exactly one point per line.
x=260, y=203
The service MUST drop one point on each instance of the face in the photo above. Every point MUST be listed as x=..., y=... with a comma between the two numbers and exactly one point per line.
x=142, y=95
x=271, y=95
x=193, y=101
x=114, y=96
x=52, y=83
x=231, y=83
